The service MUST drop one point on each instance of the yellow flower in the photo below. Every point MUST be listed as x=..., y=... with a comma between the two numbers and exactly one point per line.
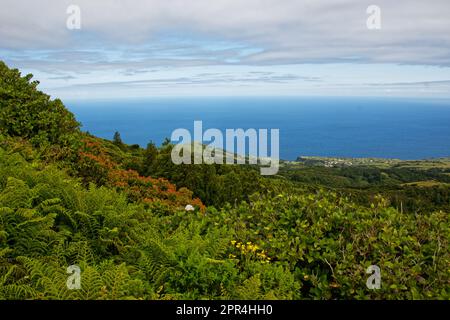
x=233, y=242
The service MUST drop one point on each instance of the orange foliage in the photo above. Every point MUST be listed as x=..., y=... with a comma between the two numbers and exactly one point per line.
x=138, y=188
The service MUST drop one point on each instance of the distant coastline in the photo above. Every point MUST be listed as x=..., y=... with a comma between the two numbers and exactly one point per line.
x=387, y=128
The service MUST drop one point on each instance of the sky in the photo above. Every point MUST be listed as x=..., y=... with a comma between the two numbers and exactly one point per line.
x=174, y=48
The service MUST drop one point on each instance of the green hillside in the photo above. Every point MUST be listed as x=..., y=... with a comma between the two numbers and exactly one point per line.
x=118, y=212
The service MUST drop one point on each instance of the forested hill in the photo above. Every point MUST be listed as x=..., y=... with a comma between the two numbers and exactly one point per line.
x=119, y=213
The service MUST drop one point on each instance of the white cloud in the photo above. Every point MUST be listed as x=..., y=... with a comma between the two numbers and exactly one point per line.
x=288, y=31
x=135, y=38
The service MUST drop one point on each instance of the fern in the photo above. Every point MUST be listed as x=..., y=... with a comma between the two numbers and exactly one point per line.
x=16, y=194
x=250, y=289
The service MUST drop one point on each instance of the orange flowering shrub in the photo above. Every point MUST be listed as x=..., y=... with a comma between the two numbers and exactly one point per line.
x=94, y=161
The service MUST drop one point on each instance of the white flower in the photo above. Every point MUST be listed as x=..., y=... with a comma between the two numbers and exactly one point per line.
x=189, y=208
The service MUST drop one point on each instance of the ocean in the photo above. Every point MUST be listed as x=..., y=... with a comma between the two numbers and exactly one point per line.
x=333, y=127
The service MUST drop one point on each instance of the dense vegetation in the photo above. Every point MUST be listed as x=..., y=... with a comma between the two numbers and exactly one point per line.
x=410, y=186
x=118, y=212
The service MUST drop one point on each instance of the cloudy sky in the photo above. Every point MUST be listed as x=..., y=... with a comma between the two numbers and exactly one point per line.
x=149, y=48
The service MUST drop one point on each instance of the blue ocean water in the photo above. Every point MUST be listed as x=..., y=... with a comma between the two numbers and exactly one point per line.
x=341, y=127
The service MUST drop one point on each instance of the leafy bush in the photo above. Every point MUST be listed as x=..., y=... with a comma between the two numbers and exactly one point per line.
x=133, y=239
x=31, y=114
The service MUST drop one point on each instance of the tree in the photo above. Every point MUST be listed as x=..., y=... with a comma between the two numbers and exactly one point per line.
x=29, y=113
x=117, y=140
x=150, y=158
